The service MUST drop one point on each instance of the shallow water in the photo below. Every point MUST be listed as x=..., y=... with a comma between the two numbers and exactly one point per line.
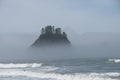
x=70, y=69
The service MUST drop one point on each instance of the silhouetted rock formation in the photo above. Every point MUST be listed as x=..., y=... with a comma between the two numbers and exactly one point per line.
x=51, y=36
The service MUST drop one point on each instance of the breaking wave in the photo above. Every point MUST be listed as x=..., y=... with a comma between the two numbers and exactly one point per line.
x=12, y=65
x=56, y=76
x=114, y=60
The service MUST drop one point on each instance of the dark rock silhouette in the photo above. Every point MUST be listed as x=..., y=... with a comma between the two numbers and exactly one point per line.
x=51, y=36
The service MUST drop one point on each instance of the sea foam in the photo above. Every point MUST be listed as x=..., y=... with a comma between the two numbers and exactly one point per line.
x=56, y=76
x=114, y=60
x=25, y=65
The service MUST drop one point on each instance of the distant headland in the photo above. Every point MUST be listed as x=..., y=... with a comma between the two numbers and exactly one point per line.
x=51, y=36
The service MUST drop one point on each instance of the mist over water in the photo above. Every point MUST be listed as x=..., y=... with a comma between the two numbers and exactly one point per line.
x=76, y=17
x=92, y=26
x=16, y=47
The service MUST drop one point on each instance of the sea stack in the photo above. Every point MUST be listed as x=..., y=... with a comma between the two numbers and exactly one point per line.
x=52, y=37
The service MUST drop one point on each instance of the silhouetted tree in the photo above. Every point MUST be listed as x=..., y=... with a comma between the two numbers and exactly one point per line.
x=64, y=34
x=58, y=31
x=43, y=31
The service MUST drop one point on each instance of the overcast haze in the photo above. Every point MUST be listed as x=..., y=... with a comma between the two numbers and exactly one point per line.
x=28, y=16
x=93, y=26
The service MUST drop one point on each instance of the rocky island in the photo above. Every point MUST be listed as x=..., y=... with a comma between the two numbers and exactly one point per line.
x=51, y=36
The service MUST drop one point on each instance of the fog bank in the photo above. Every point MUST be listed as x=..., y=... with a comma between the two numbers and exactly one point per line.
x=16, y=47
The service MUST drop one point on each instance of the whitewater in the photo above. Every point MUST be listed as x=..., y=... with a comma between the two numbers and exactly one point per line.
x=69, y=69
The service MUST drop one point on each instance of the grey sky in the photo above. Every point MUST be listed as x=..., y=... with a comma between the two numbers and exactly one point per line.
x=81, y=16
x=75, y=16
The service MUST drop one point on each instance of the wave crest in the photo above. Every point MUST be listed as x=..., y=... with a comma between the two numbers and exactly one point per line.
x=12, y=65
x=56, y=76
x=114, y=60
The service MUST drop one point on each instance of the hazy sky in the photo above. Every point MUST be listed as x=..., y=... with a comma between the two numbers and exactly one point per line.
x=74, y=16
x=81, y=16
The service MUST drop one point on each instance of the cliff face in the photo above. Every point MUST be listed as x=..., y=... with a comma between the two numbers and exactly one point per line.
x=51, y=36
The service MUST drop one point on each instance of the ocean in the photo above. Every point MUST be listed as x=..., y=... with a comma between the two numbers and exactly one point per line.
x=65, y=69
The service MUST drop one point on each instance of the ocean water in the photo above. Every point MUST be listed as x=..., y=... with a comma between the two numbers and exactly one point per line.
x=69, y=69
